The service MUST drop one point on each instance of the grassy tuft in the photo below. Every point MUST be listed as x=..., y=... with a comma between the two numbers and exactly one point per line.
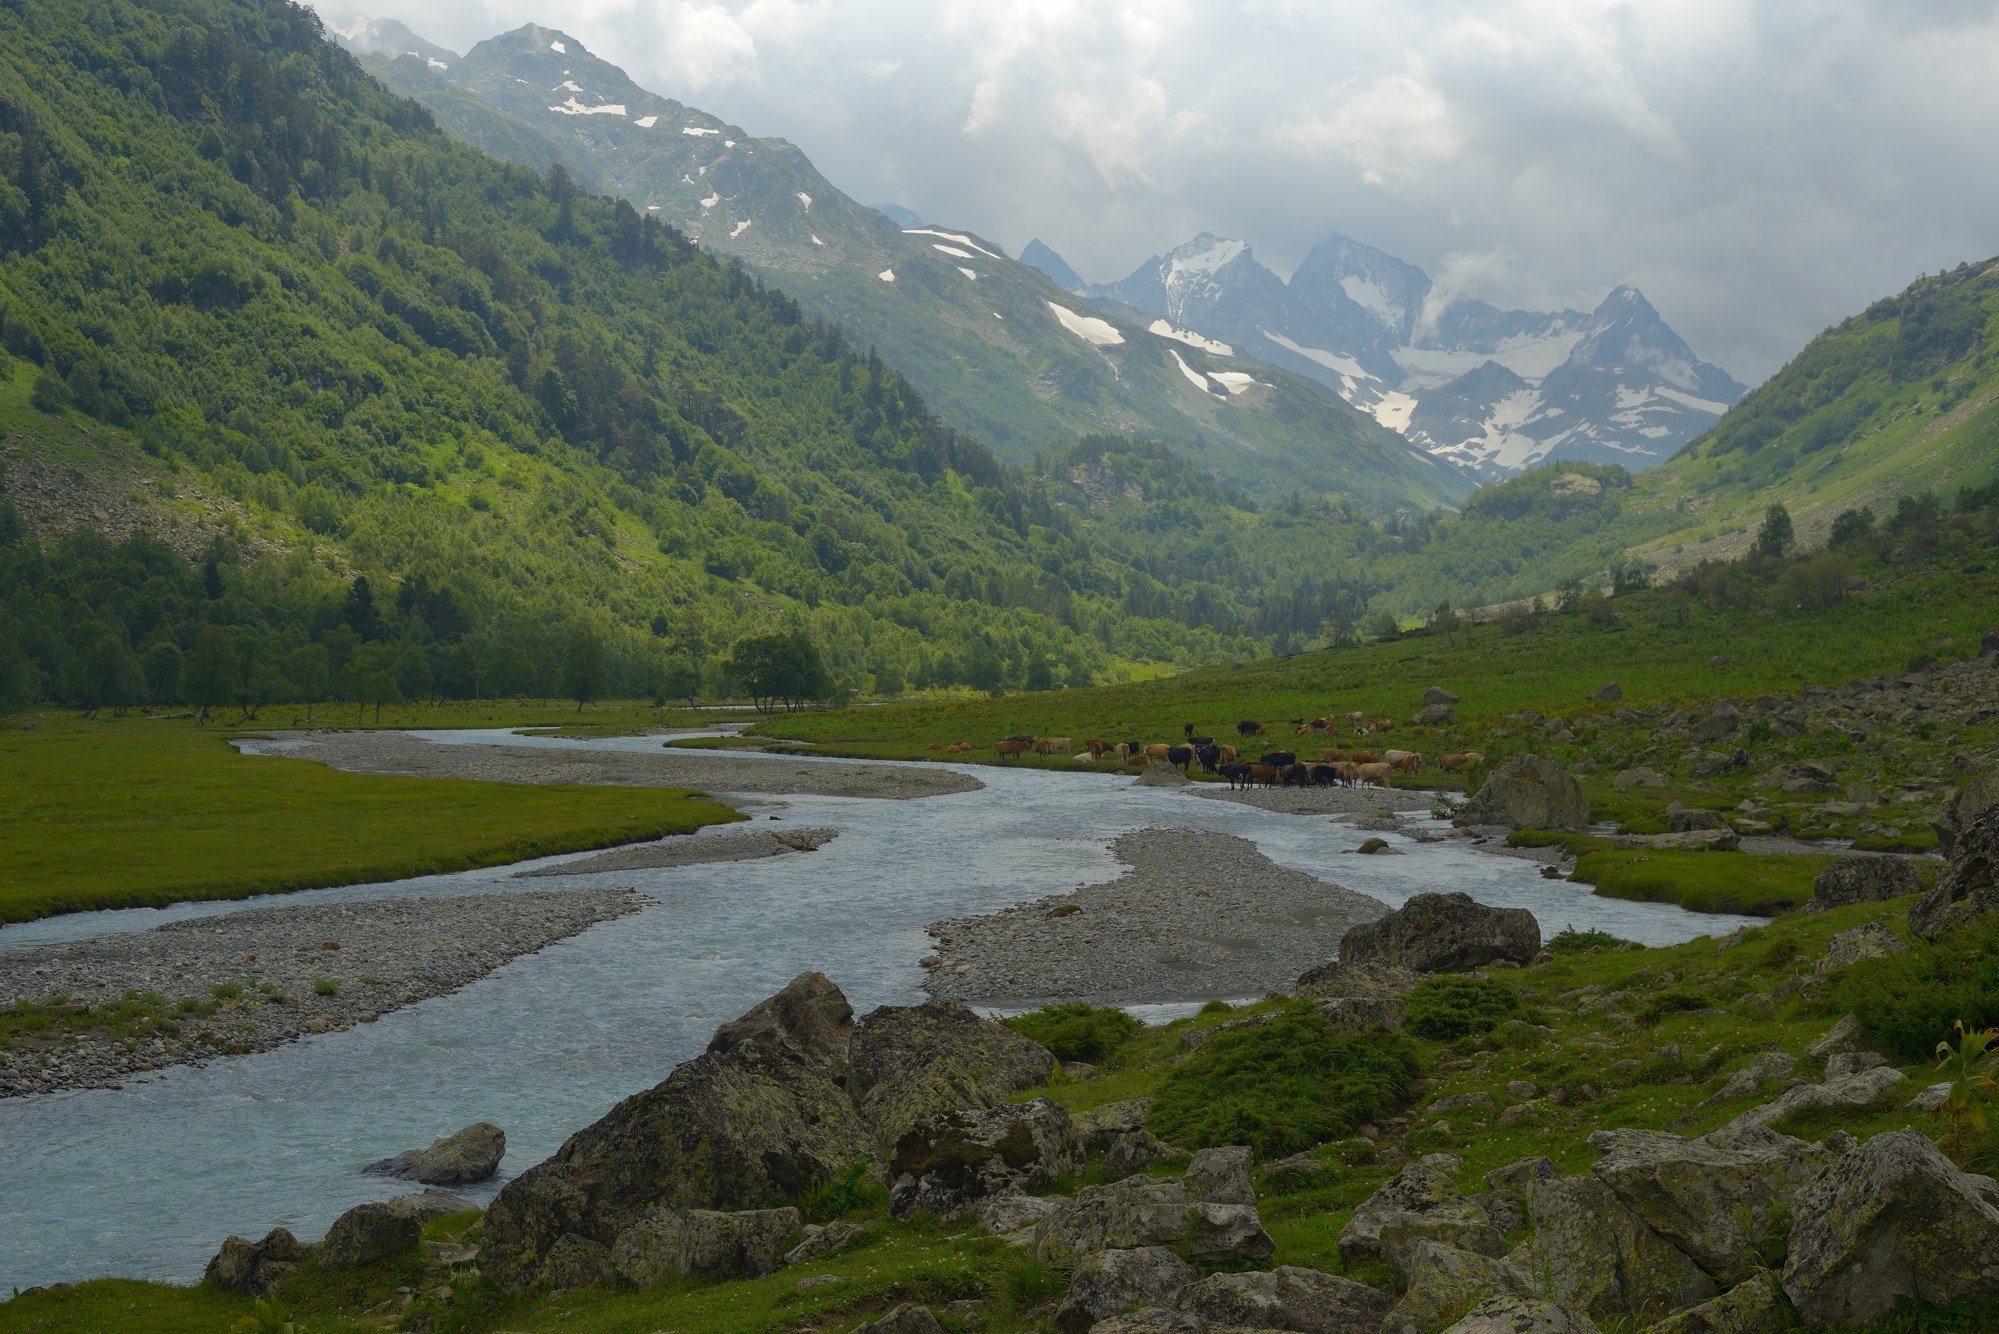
x=1077, y=1032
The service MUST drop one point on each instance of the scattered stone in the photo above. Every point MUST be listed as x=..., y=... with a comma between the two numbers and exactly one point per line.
x=1362, y=1014
x=1226, y=1232
x=253, y=1268
x=1853, y=880
x=1594, y=1255
x=366, y=1234
x=1684, y=819
x=1439, y=932
x=1100, y=1126
x=1439, y=695
x=1870, y=940
x=1853, y=1063
x=1862, y=1089
x=1893, y=1218
x=946, y=1162
x=816, y=1242
x=1508, y=1314
x=1221, y=1176
x=1119, y=1215
x=1152, y=1320
x=904, y=1320
x=1160, y=774
x=1763, y=1070
x=1717, y=1203
x=1351, y=979
x=426, y=1207
x=1842, y=1036
x=1112, y=1281
x=1005, y=1214
x=1627, y=779
x=472, y=1154
x=1434, y=715
x=677, y=1242
x=1376, y=847
x=1133, y=1152
x=1607, y=692
x=1527, y=793
x=1966, y=891
x=1444, y=1280
x=1288, y=1297
x=1419, y=1202
x=1752, y=1306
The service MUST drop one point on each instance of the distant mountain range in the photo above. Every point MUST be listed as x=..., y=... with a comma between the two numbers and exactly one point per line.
x=1491, y=390
x=996, y=348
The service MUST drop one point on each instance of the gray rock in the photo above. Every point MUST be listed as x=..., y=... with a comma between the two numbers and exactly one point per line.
x=1120, y=1215
x=809, y=1019
x=1439, y=695
x=1607, y=692
x=1687, y=840
x=664, y=1243
x=1853, y=880
x=1507, y=1314
x=1627, y=779
x=1004, y=1214
x=1977, y=795
x=1722, y=1206
x=1861, y=1089
x=1763, y=1070
x=253, y=1268
x=1685, y=820
x=1362, y=1014
x=1842, y=1036
x=1444, y=1281
x=1221, y=1176
x=1099, y=1127
x=1109, y=1282
x=1152, y=1320
x=1869, y=940
x=1931, y=1098
x=1592, y=1254
x=1893, y=1218
x=1421, y=1202
x=1752, y=1306
x=575, y=1262
x=471, y=1154
x=906, y=1319
x=1966, y=892
x=1347, y=979
x=426, y=1207
x=944, y=1163
x=1438, y=932
x=1288, y=1297
x=1226, y=1232
x=910, y=1062
x=1527, y=793
x=1434, y=715
x=816, y=1243
x=365, y=1234
x=1133, y=1152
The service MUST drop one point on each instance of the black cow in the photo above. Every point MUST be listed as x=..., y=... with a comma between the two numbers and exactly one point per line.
x=1209, y=755
x=1249, y=727
x=1237, y=773
x=1323, y=775
x=1180, y=757
x=1295, y=773
x=1278, y=758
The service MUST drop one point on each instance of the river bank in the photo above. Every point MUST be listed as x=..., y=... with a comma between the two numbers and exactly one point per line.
x=1198, y=914
x=187, y=992
x=401, y=753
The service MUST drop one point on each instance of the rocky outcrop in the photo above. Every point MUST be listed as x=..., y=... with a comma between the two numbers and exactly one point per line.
x=1421, y=1202
x=1153, y=1320
x=1351, y=979
x=1593, y=1255
x=810, y=1019
x=910, y=1062
x=1443, y=1281
x=1133, y=1152
x=1434, y=715
x=1506, y=1314
x=1753, y=1306
x=1100, y=1126
x=365, y=1234
x=1288, y=1297
x=1853, y=1088
x=664, y=1243
x=1869, y=940
x=1853, y=880
x=1528, y=793
x=1149, y=1211
x=1966, y=892
x=908, y=1319
x=1220, y=1176
x=1970, y=800
x=1362, y=1014
x=1893, y=1218
x=1118, y=1280
x=1723, y=1205
x=816, y=1242
x=472, y=1154
x=947, y=1162
x=1439, y=932
x=253, y=1268
x=427, y=1206
x=1626, y=779
x=1002, y=1215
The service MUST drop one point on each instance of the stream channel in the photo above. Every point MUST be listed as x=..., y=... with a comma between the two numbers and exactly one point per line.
x=146, y=1181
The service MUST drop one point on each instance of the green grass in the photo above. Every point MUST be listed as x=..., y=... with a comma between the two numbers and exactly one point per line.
x=132, y=812
x=1722, y=882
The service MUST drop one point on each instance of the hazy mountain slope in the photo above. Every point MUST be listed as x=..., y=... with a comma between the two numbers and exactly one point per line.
x=992, y=343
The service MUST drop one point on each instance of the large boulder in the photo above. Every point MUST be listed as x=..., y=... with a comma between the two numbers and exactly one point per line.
x=427, y=1206
x=910, y=1062
x=1966, y=891
x=253, y=1268
x=1840, y=1091
x=1288, y=1297
x=1444, y=1281
x=472, y=1154
x=905, y=1319
x=1752, y=1306
x=1109, y=1282
x=810, y=1019
x=1869, y=940
x=1862, y=880
x=1528, y=793
x=947, y=1162
x=1350, y=979
x=1440, y=932
x=1893, y=1218
x=1434, y=715
x=1226, y=1232
x=1119, y=1215
x=1221, y=1176
x=1508, y=1314
x=1978, y=795
x=1421, y=1202
x=664, y=1243
x=1152, y=1320
x=1591, y=1254
x=367, y=1233
x=1101, y=1126
x=1721, y=1204
x=1439, y=695
x=746, y=1128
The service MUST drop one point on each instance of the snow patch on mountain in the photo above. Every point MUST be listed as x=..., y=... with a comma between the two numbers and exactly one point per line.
x=886, y=275
x=698, y=131
x=1370, y=298
x=739, y=229
x=817, y=241
x=567, y=86
x=572, y=107
x=1194, y=377
x=805, y=201
x=709, y=201
x=1236, y=382
x=1095, y=332
x=1392, y=410
x=558, y=48
x=950, y=236
x=951, y=250
x=1345, y=367
x=1190, y=338
x=646, y=122
x=967, y=272
x=434, y=63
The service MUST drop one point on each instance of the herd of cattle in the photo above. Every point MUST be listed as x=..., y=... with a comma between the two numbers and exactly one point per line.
x=1333, y=765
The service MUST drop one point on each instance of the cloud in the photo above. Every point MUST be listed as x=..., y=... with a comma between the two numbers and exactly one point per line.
x=1761, y=169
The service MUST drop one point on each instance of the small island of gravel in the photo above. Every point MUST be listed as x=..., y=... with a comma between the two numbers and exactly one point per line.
x=254, y=979
x=688, y=850
x=1199, y=915
x=709, y=771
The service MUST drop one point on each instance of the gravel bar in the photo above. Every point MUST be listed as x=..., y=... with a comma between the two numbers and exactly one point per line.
x=1320, y=800
x=688, y=850
x=709, y=771
x=1199, y=916
x=271, y=965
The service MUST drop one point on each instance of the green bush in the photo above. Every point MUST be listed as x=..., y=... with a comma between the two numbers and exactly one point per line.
x=1443, y=1008
x=1282, y=1085
x=1076, y=1032
x=1908, y=1003
x=854, y=1187
x=1571, y=941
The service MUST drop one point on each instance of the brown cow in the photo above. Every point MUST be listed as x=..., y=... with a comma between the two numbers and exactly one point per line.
x=959, y=747
x=1053, y=745
x=1011, y=747
x=1458, y=761
x=1407, y=764
x=1348, y=773
x=1373, y=773
x=1096, y=745
x=1361, y=756
x=1227, y=754
x=1332, y=755
x=1157, y=751
x=1266, y=774
x=1381, y=725
x=933, y=746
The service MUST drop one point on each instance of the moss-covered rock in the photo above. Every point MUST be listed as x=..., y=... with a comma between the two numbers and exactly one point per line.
x=912, y=1062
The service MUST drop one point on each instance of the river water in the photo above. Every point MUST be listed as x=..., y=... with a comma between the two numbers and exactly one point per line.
x=147, y=1180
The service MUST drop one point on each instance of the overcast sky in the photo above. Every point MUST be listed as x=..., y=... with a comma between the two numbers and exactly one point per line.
x=1760, y=168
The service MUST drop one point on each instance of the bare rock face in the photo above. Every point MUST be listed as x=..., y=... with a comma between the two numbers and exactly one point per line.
x=366, y=1234
x=669, y=1242
x=1221, y=1176
x=1893, y=1218
x=1119, y=1215
x=1441, y=932
x=1133, y=1152
x=1862, y=880
x=253, y=1268
x=904, y=1320
x=1507, y=1314
x=1421, y=1202
x=950, y=1161
x=1288, y=1297
x=910, y=1062
x=1966, y=891
x=1100, y=1127
x=1979, y=794
x=1444, y=1280
x=472, y=1154
x=1596, y=1257
x=1528, y=793
x=1869, y=940
x=809, y=1019
x=1752, y=1306
x=1351, y=979
x=1113, y=1281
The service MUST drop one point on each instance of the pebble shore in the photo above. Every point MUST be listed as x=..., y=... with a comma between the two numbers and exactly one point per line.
x=1199, y=915
x=687, y=850
x=709, y=771
x=283, y=973
x=1320, y=800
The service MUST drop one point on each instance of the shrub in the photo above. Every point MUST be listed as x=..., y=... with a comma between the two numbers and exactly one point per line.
x=1282, y=1085
x=852, y=1188
x=1909, y=1003
x=1571, y=941
x=1443, y=1008
x=325, y=986
x=1076, y=1032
